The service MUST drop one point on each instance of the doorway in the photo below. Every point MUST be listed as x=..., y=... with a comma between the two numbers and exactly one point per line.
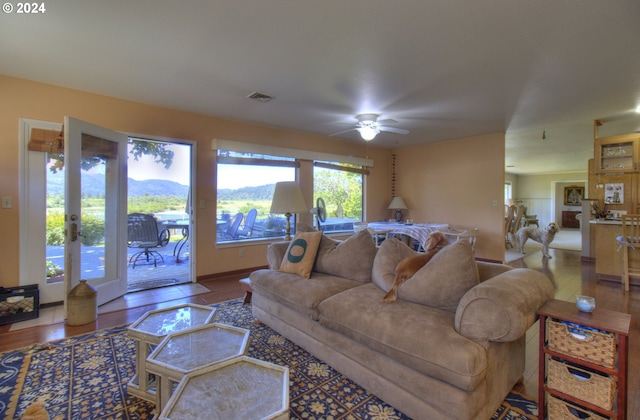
x=160, y=180
x=159, y=185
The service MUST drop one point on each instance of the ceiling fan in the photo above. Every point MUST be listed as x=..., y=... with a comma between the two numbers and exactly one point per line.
x=368, y=126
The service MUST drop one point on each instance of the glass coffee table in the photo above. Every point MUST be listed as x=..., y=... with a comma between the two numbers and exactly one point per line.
x=151, y=328
x=239, y=388
x=185, y=351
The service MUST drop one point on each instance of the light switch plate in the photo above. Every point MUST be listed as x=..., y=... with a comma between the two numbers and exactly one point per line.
x=7, y=202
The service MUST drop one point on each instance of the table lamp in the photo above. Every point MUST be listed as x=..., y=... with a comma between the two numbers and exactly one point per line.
x=398, y=205
x=287, y=199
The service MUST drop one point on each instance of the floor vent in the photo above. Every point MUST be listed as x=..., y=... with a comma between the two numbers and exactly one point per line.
x=260, y=97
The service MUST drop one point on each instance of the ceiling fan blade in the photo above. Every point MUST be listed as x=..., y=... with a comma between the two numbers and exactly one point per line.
x=387, y=121
x=393, y=130
x=342, y=132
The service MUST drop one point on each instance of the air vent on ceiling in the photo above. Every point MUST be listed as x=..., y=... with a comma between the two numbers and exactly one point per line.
x=260, y=97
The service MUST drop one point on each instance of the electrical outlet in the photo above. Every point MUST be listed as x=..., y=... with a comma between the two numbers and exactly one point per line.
x=494, y=203
x=6, y=202
x=241, y=253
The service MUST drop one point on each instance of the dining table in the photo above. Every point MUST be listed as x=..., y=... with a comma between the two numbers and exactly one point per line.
x=183, y=226
x=417, y=231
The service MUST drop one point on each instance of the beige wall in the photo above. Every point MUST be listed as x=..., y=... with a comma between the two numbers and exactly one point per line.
x=453, y=182
x=460, y=182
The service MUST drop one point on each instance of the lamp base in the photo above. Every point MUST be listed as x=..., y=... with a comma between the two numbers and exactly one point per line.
x=287, y=236
x=398, y=215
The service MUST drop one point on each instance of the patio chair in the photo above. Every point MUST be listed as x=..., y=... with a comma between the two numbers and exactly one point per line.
x=142, y=233
x=247, y=228
x=231, y=232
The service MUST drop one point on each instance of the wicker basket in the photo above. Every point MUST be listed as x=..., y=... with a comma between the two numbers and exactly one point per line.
x=593, y=346
x=596, y=389
x=561, y=410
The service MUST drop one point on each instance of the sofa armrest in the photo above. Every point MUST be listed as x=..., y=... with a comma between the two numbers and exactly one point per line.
x=275, y=254
x=503, y=307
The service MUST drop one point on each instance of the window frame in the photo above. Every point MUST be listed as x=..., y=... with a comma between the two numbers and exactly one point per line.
x=335, y=161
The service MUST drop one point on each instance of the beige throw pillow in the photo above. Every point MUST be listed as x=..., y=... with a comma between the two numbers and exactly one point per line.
x=301, y=253
x=391, y=252
x=443, y=281
x=351, y=258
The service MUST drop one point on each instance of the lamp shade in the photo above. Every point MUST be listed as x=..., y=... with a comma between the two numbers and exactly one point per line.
x=287, y=198
x=368, y=133
x=397, y=204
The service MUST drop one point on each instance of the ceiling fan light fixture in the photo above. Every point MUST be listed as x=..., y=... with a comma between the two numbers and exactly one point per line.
x=368, y=133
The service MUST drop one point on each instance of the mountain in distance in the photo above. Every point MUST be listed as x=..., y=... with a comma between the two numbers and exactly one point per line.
x=259, y=193
x=93, y=185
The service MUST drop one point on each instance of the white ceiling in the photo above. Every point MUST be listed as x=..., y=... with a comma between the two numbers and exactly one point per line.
x=443, y=69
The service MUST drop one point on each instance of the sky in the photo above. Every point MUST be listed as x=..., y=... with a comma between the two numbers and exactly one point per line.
x=146, y=168
x=229, y=176
x=236, y=176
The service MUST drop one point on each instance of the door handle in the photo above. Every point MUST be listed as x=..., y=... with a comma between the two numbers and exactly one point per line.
x=74, y=232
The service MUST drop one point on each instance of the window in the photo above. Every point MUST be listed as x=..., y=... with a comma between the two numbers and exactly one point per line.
x=246, y=182
x=247, y=174
x=340, y=187
x=508, y=194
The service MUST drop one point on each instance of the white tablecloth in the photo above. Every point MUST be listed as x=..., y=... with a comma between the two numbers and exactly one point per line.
x=420, y=232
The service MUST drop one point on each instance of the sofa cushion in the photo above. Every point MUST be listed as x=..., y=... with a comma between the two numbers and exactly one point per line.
x=443, y=281
x=351, y=258
x=298, y=293
x=301, y=253
x=418, y=336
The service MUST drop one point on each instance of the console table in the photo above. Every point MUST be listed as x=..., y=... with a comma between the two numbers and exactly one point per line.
x=569, y=219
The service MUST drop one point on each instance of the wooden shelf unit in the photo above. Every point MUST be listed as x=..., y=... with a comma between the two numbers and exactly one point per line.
x=616, y=323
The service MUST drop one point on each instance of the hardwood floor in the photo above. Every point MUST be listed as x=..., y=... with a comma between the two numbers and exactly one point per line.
x=571, y=276
x=221, y=289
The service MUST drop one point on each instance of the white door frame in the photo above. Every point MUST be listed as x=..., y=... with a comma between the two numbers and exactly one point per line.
x=33, y=250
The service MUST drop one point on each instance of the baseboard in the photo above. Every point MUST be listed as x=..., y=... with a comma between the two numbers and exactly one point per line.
x=244, y=272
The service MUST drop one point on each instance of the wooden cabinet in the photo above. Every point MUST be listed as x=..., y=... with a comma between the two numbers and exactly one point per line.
x=582, y=362
x=569, y=219
x=617, y=154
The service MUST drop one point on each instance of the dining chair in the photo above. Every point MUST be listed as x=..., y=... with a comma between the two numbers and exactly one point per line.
x=629, y=240
x=508, y=220
x=142, y=233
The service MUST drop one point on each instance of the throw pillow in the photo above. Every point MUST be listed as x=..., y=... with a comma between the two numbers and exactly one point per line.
x=443, y=281
x=301, y=253
x=351, y=258
x=391, y=252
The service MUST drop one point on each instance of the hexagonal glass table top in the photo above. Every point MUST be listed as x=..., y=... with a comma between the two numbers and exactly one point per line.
x=198, y=347
x=160, y=322
x=184, y=351
x=241, y=387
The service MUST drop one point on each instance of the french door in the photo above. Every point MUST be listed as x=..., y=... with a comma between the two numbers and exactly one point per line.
x=96, y=156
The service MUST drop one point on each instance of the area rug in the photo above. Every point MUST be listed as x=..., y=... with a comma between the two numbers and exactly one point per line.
x=85, y=377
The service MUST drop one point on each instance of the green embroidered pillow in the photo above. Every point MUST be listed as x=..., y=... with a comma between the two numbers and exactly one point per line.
x=301, y=253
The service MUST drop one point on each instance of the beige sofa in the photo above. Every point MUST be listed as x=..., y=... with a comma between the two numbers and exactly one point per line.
x=451, y=347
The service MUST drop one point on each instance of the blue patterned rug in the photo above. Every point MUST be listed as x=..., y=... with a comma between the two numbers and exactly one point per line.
x=85, y=377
